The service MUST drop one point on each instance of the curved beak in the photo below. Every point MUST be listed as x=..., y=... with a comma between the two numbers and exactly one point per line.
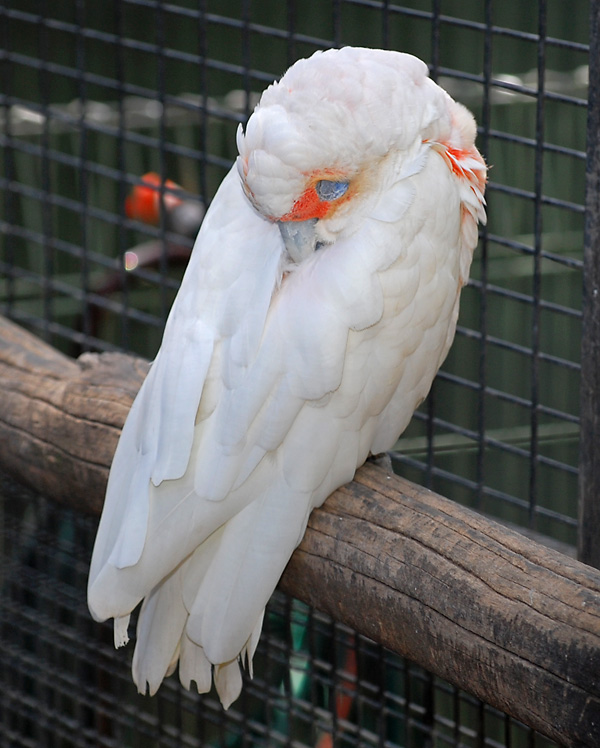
x=299, y=238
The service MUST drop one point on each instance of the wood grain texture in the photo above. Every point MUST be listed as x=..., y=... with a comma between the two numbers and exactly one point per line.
x=589, y=452
x=60, y=419
x=511, y=621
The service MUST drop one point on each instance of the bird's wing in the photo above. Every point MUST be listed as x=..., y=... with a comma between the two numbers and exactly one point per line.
x=239, y=360
x=218, y=317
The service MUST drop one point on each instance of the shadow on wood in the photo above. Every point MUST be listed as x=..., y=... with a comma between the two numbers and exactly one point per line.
x=480, y=605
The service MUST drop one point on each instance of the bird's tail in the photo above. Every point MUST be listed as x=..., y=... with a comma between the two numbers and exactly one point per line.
x=162, y=639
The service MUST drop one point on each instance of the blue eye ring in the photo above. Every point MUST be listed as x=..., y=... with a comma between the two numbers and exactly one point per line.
x=328, y=190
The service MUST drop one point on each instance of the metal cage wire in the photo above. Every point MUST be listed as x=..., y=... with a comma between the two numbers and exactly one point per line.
x=316, y=682
x=92, y=98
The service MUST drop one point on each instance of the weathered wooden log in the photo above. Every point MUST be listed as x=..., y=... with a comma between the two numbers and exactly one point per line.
x=498, y=615
x=60, y=419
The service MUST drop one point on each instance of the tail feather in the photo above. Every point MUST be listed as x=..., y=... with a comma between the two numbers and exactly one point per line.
x=255, y=546
x=163, y=641
x=160, y=625
x=250, y=648
x=194, y=666
x=228, y=682
x=207, y=614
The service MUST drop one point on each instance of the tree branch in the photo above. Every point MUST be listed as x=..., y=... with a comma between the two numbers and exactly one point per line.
x=498, y=615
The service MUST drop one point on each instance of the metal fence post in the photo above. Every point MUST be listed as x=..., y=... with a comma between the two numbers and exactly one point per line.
x=589, y=485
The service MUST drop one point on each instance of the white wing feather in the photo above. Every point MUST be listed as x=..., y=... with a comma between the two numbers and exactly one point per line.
x=160, y=433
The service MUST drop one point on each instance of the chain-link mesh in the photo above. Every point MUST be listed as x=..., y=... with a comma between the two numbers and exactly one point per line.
x=95, y=95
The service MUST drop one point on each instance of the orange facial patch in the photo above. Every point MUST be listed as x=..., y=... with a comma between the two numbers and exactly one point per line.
x=309, y=204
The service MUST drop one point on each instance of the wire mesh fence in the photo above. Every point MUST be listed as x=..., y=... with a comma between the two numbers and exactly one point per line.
x=95, y=96
x=316, y=682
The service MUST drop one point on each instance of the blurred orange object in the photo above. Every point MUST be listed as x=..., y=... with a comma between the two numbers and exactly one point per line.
x=143, y=204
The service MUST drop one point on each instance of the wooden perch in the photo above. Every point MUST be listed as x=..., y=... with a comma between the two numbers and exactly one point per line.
x=491, y=611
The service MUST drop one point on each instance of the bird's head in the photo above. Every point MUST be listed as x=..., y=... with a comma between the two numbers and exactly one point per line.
x=328, y=142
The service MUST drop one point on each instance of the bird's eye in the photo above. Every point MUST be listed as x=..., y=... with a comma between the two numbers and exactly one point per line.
x=327, y=190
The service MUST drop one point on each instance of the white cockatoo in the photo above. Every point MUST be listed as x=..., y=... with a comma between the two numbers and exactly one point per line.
x=320, y=299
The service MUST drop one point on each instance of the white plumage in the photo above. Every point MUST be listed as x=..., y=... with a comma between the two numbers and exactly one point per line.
x=305, y=333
